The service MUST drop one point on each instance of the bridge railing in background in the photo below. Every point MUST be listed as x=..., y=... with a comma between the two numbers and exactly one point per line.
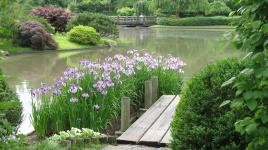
x=135, y=20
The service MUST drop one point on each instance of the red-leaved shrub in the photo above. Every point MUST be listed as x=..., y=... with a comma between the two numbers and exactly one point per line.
x=32, y=34
x=56, y=16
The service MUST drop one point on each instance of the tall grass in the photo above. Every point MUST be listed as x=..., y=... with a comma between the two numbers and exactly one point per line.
x=89, y=96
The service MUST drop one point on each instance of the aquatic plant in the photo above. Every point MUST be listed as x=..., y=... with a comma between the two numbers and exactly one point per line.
x=74, y=133
x=88, y=96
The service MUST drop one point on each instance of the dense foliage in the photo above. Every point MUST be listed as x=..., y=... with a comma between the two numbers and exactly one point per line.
x=252, y=82
x=47, y=26
x=31, y=34
x=218, y=8
x=199, y=123
x=198, y=21
x=56, y=16
x=84, y=35
x=10, y=109
x=11, y=14
x=141, y=7
x=89, y=96
x=60, y=3
x=125, y=11
x=148, y=7
x=97, y=6
x=102, y=23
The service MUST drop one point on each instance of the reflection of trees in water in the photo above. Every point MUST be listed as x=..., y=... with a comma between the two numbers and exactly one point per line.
x=196, y=47
x=33, y=67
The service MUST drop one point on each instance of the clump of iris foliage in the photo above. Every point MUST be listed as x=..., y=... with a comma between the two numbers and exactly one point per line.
x=88, y=96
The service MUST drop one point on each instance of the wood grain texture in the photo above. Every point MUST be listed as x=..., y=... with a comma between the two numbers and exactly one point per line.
x=167, y=138
x=125, y=113
x=136, y=131
x=159, y=129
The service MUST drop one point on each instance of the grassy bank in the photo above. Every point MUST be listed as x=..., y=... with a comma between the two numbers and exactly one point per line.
x=63, y=44
x=198, y=21
x=194, y=27
x=203, y=28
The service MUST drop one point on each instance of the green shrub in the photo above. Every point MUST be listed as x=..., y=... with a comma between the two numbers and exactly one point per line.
x=102, y=23
x=198, y=21
x=10, y=109
x=218, y=8
x=125, y=11
x=44, y=23
x=200, y=123
x=84, y=35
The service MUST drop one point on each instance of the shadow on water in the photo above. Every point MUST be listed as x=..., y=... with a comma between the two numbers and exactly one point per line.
x=196, y=48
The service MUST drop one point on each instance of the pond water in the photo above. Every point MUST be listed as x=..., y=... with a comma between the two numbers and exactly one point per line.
x=196, y=47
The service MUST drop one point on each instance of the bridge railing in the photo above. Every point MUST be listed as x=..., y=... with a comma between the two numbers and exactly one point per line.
x=134, y=20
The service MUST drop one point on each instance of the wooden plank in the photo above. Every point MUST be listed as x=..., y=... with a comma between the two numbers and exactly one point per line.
x=155, y=88
x=159, y=129
x=136, y=131
x=148, y=94
x=125, y=113
x=167, y=138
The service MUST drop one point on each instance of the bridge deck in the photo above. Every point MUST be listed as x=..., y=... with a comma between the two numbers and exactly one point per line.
x=153, y=127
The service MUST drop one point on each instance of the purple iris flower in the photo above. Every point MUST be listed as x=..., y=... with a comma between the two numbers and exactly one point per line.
x=97, y=107
x=74, y=100
x=74, y=89
x=85, y=95
x=56, y=92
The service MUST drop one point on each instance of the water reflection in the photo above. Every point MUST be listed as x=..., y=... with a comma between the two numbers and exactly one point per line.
x=196, y=47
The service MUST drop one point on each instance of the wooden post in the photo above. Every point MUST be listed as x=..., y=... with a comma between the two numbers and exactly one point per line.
x=148, y=96
x=155, y=88
x=125, y=113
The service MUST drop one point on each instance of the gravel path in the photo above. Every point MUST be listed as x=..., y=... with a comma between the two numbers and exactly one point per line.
x=132, y=147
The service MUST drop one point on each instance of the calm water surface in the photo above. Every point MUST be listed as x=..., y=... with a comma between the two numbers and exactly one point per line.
x=196, y=47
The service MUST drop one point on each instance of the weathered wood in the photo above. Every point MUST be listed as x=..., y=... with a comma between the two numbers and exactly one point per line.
x=136, y=131
x=155, y=89
x=167, y=138
x=148, y=96
x=125, y=113
x=158, y=130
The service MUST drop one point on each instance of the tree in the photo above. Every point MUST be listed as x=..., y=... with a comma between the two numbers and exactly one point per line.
x=178, y=7
x=252, y=83
x=142, y=7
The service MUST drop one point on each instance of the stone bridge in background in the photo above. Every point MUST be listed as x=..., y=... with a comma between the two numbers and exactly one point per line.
x=135, y=20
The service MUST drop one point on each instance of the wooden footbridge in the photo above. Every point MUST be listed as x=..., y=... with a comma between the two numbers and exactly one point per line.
x=153, y=127
x=134, y=20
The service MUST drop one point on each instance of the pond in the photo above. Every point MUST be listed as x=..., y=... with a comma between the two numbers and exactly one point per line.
x=196, y=47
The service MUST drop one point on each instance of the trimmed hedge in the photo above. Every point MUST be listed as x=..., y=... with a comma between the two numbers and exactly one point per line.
x=200, y=122
x=198, y=21
x=10, y=109
x=84, y=35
